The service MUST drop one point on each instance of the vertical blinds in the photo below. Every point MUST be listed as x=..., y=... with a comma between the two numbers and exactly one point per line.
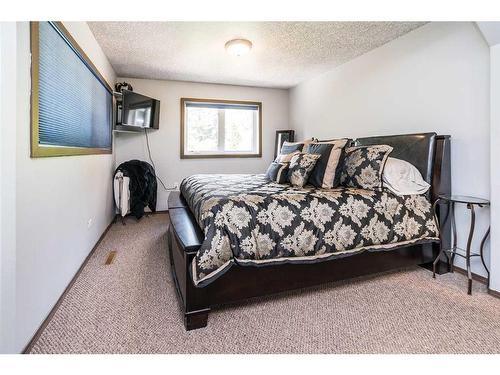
x=75, y=107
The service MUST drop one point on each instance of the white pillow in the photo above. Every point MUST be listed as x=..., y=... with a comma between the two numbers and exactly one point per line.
x=403, y=178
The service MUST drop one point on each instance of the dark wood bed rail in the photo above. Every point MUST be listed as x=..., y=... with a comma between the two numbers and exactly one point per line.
x=243, y=282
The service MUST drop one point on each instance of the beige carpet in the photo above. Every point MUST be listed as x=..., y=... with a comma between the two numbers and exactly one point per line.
x=131, y=307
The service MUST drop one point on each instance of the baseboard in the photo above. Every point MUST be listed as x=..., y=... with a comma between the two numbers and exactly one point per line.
x=146, y=213
x=47, y=320
x=479, y=279
x=493, y=293
x=475, y=276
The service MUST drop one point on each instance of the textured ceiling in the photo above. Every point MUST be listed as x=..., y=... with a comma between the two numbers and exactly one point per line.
x=283, y=53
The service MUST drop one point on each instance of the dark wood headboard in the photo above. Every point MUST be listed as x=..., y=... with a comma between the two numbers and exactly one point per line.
x=428, y=152
x=441, y=176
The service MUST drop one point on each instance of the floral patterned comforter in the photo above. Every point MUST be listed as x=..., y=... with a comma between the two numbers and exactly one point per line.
x=249, y=220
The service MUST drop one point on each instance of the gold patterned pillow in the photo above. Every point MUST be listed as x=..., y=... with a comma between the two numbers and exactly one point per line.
x=301, y=167
x=363, y=166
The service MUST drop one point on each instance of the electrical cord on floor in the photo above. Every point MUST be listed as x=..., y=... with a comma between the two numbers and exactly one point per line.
x=151, y=160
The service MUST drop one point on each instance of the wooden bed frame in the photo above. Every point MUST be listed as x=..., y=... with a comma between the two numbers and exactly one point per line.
x=243, y=282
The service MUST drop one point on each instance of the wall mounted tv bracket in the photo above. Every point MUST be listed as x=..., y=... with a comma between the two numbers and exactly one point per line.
x=119, y=86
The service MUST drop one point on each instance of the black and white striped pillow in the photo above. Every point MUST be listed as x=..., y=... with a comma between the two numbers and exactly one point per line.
x=326, y=173
x=289, y=149
x=286, y=158
x=278, y=172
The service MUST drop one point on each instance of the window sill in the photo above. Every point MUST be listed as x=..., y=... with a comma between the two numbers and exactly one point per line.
x=220, y=156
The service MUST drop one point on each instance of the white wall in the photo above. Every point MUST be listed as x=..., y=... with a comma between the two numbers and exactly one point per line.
x=55, y=198
x=165, y=142
x=435, y=78
x=7, y=185
x=495, y=172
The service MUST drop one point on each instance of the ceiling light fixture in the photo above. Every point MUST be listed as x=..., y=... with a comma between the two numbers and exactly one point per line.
x=238, y=47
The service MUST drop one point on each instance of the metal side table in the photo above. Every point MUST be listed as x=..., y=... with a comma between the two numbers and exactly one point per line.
x=451, y=200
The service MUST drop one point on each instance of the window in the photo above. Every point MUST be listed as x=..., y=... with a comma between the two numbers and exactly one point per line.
x=71, y=103
x=220, y=128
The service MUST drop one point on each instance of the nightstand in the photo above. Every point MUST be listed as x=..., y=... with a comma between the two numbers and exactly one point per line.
x=467, y=254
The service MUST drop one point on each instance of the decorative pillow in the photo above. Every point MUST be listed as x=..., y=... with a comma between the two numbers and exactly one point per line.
x=278, y=172
x=326, y=173
x=301, y=167
x=290, y=147
x=285, y=158
x=403, y=178
x=363, y=166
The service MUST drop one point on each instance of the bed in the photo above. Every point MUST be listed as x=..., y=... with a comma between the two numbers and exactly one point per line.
x=234, y=237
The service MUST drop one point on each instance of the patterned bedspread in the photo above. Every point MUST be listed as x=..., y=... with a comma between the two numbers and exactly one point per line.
x=249, y=220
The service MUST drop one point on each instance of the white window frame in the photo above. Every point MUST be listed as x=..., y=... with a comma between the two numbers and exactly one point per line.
x=221, y=153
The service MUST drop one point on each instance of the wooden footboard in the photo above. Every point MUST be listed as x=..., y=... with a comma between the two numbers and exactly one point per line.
x=184, y=240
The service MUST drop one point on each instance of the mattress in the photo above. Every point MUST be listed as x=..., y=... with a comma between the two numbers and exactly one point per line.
x=248, y=220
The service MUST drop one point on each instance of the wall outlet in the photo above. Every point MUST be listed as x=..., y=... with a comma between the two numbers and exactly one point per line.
x=89, y=223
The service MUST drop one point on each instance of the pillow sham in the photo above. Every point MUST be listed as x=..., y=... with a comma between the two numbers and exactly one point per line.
x=291, y=147
x=301, y=167
x=403, y=178
x=326, y=173
x=285, y=158
x=363, y=166
x=278, y=172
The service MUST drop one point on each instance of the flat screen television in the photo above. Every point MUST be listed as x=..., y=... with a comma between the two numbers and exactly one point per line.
x=137, y=112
